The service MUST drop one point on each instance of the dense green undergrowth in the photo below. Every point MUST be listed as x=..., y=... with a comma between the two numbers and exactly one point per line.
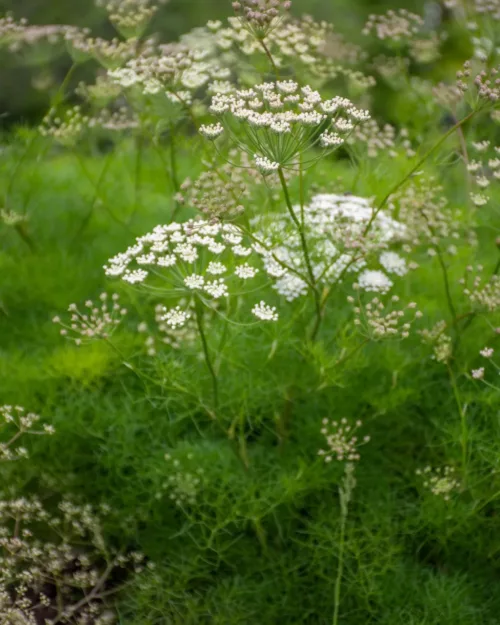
x=205, y=446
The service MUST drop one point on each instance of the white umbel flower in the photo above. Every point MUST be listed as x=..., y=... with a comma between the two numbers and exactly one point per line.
x=194, y=281
x=265, y=312
x=330, y=139
x=375, y=281
x=393, y=263
x=217, y=288
x=264, y=165
x=176, y=317
x=135, y=277
x=246, y=271
x=211, y=131
x=216, y=268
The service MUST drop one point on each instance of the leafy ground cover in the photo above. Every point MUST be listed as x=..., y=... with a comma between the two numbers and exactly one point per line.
x=285, y=410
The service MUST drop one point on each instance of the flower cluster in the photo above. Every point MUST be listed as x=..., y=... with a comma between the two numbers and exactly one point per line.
x=343, y=444
x=98, y=321
x=66, y=129
x=381, y=320
x=119, y=120
x=264, y=312
x=260, y=16
x=374, y=140
x=166, y=335
x=487, y=8
x=44, y=581
x=440, y=340
x=395, y=26
x=487, y=354
x=483, y=294
x=101, y=92
x=15, y=422
x=130, y=17
x=215, y=194
x=441, y=481
x=292, y=43
x=282, y=120
x=16, y=35
x=174, y=71
x=197, y=258
x=476, y=83
x=484, y=169
x=182, y=485
x=11, y=218
x=339, y=240
x=109, y=53
x=422, y=207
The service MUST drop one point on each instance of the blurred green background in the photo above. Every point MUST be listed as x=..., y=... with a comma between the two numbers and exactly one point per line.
x=26, y=80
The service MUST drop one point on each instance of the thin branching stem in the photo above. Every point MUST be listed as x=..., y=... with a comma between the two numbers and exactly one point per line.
x=307, y=258
x=418, y=164
x=206, y=353
x=464, y=436
x=340, y=570
x=270, y=57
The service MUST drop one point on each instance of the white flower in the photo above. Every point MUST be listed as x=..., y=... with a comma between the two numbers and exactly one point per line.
x=481, y=146
x=264, y=165
x=478, y=374
x=187, y=252
x=246, y=271
x=125, y=77
x=287, y=86
x=193, y=78
x=194, y=281
x=146, y=259
x=482, y=182
x=240, y=250
x=374, y=280
x=393, y=263
x=479, y=199
x=216, y=268
x=330, y=139
x=265, y=312
x=176, y=317
x=167, y=261
x=133, y=277
x=344, y=125
x=217, y=288
x=211, y=131
x=215, y=247
x=487, y=352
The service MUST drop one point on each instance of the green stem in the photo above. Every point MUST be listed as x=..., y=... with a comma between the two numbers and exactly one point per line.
x=340, y=570
x=447, y=290
x=208, y=361
x=173, y=160
x=305, y=250
x=463, y=422
x=139, y=151
x=23, y=233
x=270, y=57
x=419, y=163
x=354, y=351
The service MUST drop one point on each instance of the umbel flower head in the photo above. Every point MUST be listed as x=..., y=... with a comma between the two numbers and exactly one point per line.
x=339, y=244
x=175, y=71
x=198, y=258
x=98, y=321
x=260, y=17
x=275, y=122
x=130, y=17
